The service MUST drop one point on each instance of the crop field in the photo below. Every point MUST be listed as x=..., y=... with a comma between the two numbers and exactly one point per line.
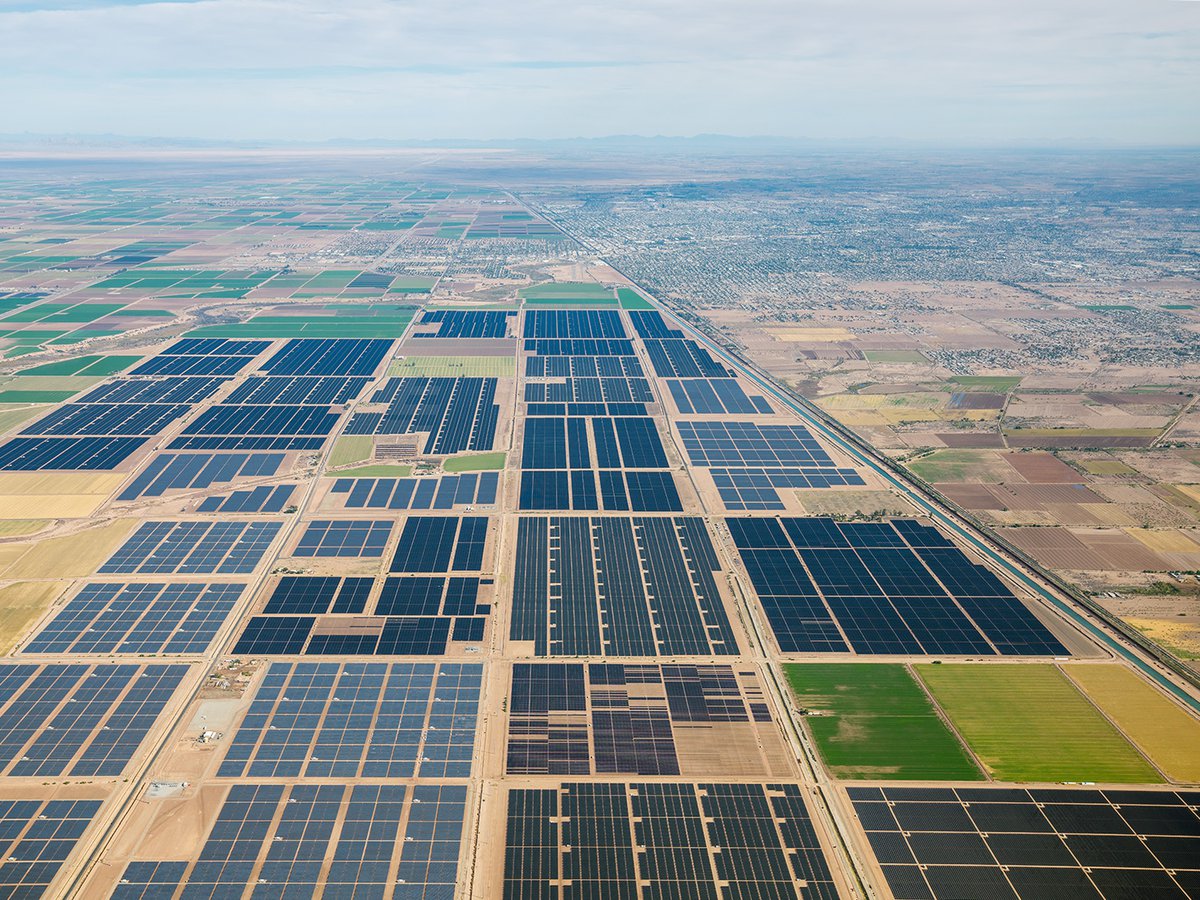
x=1159, y=726
x=1030, y=723
x=477, y=462
x=876, y=722
x=454, y=366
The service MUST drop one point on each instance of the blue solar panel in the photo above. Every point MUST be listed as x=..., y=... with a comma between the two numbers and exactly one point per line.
x=36, y=838
x=465, y=323
x=88, y=453
x=183, y=471
x=344, y=537
x=194, y=548
x=308, y=356
x=139, y=619
x=829, y=587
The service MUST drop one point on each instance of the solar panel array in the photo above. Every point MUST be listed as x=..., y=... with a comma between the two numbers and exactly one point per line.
x=574, y=323
x=138, y=618
x=577, y=719
x=359, y=720
x=344, y=537
x=281, y=839
x=309, y=356
x=329, y=615
x=715, y=396
x=263, y=499
x=457, y=413
x=445, y=492
x=300, y=390
x=881, y=587
x=465, y=323
x=441, y=544
x=646, y=841
x=198, y=471
x=618, y=586
x=1036, y=844
x=560, y=471
x=682, y=358
x=546, y=366
x=79, y=720
x=193, y=548
x=590, y=390
x=749, y=461
x=36, y=838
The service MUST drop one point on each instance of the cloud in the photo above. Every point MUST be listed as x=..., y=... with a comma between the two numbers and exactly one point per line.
x=937, y=69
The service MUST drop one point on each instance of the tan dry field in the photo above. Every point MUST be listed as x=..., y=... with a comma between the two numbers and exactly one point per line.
x=21, y=605
x=70, y=556
x=59, y=495
x=1159, y=726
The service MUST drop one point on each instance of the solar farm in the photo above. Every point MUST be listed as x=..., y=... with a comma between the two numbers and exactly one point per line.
x=455, y=578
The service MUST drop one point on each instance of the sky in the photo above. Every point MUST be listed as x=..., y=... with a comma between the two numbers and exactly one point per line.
x=945, y=72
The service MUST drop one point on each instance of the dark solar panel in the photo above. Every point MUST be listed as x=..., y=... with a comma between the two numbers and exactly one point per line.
x=193, y=548
x=824, y=584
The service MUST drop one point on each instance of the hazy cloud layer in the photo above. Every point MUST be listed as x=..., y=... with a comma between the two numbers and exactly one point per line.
x=936, y=70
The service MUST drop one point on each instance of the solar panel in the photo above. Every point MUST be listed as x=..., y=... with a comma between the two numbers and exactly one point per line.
x=465, y=323
x=828, y=587
x=445, y=492
x=359, y=719
x=193, y=548
x=86, y=453
x=138, y=619
x=948, y=842
x=457, y=413
x=664, y=840
x=342, y=356
x=36, y=837
x=79, y=720
x=344, y=537
x=584, y=587
x=440, y=544
x=574, y=323
x=198, y=471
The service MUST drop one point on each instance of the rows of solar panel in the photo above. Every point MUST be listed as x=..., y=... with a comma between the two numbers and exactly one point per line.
x=146, y=390
x=1036, y=844
x=198, y=471
x=618, y=586
x=446, y=492
x=829, y=587
x=138, y=618
x=465, y=323
x=317, y=595
x=546, y=366
x=683, y=359
x=441, y=544
x=344, y=537
x=264, y=499
x=590, y=390
x=458, y=413
x=715, y=396
x=79, y=720
x=610, y=490
x=305, y=840
x=574, y=323
x=252, y=420
x=85, y=453
x=578, y=347
x=646, y=841
x=223, y=366
x=630, y=442
x=649, y=323
x=758, y=488
x=341, y=356
x=36, y=838
x=215, y=347
x=299, y=390
x=736, y=444
x=572, y=719
x=358, y=720
x=193, y=548
x=120, y=419
x=357, y=636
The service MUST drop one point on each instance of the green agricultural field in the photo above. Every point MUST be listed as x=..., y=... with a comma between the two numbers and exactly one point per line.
x=378, y=326
x=981, y=466
x=631, y=299
x=569, y=293
x=1030, y=723
x=19, y=396
x=84, y=365
x=350, y=449
x=475, y=462
x=378, y=471
x=895, y=356
x=880, y=723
